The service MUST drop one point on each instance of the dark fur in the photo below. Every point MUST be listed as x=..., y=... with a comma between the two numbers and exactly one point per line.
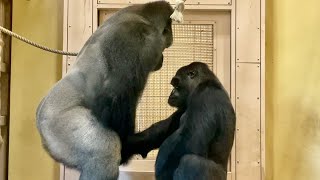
x=200, y=133
x=86, y=115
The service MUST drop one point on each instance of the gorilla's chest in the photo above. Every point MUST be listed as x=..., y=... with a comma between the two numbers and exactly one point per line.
x=118, y=114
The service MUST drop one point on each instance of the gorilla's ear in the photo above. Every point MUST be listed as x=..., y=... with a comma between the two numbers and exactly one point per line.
x=192, y=74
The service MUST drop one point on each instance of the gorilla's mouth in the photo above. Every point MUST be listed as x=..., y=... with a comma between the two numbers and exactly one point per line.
x=172, y=100
x=159, y=65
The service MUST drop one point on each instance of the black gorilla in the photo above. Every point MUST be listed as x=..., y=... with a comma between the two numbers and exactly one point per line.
x=86, y=115
x=201, y=131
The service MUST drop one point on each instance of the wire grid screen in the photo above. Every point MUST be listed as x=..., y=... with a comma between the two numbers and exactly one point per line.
x=192, y=42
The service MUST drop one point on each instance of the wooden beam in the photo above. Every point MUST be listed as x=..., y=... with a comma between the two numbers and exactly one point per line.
x=191, y=6
x=3, y=120
x=5, y=48
x=3, y=67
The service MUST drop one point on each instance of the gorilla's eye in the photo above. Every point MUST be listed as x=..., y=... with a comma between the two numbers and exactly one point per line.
x=191, y=74
x=165, y=31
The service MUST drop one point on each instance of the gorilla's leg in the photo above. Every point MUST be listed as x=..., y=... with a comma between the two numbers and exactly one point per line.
x=196, y=167
x=77, y=139
x=100, y=168
x=170, y=152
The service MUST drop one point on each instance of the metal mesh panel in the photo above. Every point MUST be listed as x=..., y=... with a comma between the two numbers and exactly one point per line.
x=192, y=42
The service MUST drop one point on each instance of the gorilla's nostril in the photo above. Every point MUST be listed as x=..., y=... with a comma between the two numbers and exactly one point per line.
x=175, y=81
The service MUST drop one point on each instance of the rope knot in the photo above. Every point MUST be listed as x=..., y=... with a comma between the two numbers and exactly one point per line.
x=178, y=9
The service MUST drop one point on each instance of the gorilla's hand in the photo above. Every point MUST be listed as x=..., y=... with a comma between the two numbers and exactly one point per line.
x=125, y=155
x=129, y=149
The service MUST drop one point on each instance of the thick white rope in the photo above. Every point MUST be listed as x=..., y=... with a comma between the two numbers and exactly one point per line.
x=6, y=31
x=178, y=10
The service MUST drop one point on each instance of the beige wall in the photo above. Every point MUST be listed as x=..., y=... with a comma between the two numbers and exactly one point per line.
x=33, y=73
x=293, y=89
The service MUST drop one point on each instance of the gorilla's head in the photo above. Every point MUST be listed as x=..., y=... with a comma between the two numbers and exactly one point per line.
x=151, y=25
x=158, y=14
x=186, y=80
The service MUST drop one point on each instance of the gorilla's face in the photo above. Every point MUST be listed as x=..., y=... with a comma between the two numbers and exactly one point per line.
x=167, y=37
x=167, y=34
x=183, y=84
x=178, y=98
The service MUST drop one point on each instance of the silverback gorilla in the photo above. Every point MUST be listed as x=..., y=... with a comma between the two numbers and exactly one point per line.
x=196, y=140
x=86, y=115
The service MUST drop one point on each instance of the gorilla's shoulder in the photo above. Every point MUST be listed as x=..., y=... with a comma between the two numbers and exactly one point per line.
x=208, y=91
x=212, y=83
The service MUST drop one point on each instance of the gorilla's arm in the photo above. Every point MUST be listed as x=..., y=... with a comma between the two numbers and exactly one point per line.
x=144, y=142
x=208, y=110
